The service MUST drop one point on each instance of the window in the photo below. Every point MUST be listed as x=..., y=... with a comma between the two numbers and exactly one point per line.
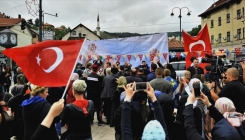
x=238, y=34
x=74, y=33
x=212, y=39
x=219, y=21
x=219, y=39
x=239, y=14
x=228, y=18
x=175, y=66
x=228, y=36
x=182, y=66
x=212, y=23
x=243, y=32
x=243, y=12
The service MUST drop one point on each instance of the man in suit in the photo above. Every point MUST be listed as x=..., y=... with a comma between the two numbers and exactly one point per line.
x=195, y=69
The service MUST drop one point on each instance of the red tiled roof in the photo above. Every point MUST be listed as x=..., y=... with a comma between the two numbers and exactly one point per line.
x=7, y=22
x=47, y=24
x=215, y=6
x=174, y=44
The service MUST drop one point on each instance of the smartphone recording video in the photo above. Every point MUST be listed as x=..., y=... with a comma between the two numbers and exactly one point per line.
x=139, y=86
x=197, y=88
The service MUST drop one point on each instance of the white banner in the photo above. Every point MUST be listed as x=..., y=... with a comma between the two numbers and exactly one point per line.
x=148, y=45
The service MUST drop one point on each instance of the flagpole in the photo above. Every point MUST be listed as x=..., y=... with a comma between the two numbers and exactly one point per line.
x=72, y=70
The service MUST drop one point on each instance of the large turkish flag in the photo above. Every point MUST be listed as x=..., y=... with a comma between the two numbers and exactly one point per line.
x=49, y=63
x=195, y=44
x=201, y=42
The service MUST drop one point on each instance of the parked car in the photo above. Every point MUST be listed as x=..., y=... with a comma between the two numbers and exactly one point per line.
x=180, y=68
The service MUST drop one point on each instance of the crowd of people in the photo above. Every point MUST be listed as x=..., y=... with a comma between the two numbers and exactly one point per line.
x=166, y=110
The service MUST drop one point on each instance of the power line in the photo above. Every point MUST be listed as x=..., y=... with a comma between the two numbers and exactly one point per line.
x=13, y=7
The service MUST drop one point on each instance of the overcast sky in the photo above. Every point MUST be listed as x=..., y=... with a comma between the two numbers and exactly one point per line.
x=136, y=16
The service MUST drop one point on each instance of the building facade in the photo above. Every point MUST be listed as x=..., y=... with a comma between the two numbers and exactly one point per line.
x=80, y=31
x=226, y=24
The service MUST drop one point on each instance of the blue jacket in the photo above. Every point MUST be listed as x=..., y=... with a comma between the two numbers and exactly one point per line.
x=151, y=76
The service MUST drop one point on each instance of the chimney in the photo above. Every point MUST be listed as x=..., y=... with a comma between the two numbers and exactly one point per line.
x=19, y=16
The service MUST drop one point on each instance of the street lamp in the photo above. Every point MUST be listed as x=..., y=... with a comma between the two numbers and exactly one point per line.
x=180, y=16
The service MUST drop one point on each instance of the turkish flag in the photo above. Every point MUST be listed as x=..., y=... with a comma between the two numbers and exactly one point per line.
x=201, y=42
x=48, y=63
x=192, y=44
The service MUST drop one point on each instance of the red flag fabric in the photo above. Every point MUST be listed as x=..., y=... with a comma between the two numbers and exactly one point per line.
x=141, y=56
x=201, y=42
x=237, y=50
x=165, y=55
x=118, y=57
x=108, y=57
x=89, y=57
x=152, y=56
x=48, y=63
x=178, y=55
x=129, y=57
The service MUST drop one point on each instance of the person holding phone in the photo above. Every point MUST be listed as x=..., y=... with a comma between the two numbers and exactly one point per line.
x=222, y=129
x=156, y=129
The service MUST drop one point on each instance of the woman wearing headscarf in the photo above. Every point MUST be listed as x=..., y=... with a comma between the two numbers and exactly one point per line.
x=226, y=107
x=69, y=97
x=222, y=129
x=34, y=111
x=77, y=115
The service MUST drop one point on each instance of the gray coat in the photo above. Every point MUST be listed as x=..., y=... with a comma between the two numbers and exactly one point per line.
x=109, y=85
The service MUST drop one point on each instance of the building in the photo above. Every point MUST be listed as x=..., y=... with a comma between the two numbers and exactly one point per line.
x=226, y=24
x=80, y=31
x=24, y=37
x=46, y=35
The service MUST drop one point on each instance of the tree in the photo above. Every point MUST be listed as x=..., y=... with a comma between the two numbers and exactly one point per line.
x=36, y=22
x=195, y=30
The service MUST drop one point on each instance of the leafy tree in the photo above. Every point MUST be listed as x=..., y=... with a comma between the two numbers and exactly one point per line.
x=36, y=22
x=195, y=30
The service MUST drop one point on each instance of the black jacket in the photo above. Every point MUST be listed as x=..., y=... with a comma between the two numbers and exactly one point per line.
x=94, y=85
x=222, y=130
x=33, y=115
x=78, y=124
x=193, y=71
x=126, y=120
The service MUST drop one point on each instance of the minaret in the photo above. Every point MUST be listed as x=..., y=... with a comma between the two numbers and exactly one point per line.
x=98, y=26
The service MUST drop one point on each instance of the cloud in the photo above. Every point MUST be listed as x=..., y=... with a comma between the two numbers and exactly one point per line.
x=137, y=16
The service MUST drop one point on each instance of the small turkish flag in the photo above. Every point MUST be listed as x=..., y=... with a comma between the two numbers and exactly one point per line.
x=49, y=63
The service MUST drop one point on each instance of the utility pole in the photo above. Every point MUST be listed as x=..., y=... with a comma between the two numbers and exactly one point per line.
x=40, y=21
